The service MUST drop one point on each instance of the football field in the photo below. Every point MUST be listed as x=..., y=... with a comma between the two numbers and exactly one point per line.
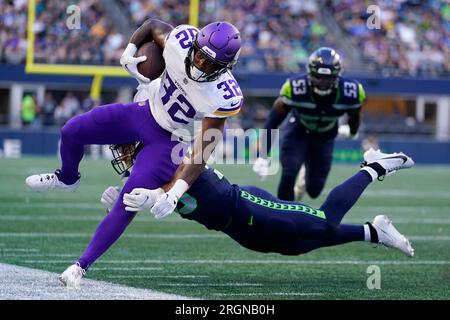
x=175, y=256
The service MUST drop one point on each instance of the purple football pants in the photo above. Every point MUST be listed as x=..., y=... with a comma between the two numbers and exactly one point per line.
x=153, y=167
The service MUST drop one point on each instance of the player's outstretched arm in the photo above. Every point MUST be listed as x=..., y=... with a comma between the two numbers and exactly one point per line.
x=191, y=168
x=151, y=30
x=354, y=120
x=276, y=116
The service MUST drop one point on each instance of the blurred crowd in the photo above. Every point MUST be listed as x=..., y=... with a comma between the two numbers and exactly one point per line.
x=53, y=111
x=413, y=38
x=278, y=35
x=60, y=37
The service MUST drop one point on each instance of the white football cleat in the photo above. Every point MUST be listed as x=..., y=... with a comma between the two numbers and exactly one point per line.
x=385, y=164
x=389, y=236
x=300, y=185
x=71, y=278
x=48, y=181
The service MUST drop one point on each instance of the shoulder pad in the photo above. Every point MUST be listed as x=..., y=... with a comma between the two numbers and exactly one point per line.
x=351, y=94
x=295, y=90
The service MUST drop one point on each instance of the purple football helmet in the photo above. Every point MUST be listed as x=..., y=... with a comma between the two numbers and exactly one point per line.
x=220, y=43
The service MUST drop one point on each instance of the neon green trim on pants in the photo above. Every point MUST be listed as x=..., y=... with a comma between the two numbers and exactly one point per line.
x=282, y=206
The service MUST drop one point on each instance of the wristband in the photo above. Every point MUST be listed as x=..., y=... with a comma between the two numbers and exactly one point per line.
x=179, y=188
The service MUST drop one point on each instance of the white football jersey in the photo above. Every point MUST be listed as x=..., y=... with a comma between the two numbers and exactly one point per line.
x=176, y=101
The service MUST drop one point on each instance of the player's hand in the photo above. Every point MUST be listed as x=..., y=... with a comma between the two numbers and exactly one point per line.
x=165, y=205
x=139, y=199
x=130, y=62
x=109, y=197
x=261, y=168
x=344, y=131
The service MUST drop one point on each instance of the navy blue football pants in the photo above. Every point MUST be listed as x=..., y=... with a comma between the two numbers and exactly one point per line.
x=298, y=148
x=266, y=224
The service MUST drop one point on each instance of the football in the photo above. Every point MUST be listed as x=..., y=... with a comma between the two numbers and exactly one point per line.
x=154, y=66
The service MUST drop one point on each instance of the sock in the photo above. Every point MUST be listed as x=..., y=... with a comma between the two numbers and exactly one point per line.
x=370, y=233
x=366, y=233
x=375, y=170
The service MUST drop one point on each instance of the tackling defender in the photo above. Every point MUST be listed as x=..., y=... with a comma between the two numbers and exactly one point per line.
x=259, y=221
x=196, y=85
x=315, y=101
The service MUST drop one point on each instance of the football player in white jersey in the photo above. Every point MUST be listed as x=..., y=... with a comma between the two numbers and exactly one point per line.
x=196, y=86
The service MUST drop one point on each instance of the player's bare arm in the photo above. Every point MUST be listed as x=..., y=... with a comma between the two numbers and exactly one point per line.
x=354, y=120
x=152, y=30
x=191, y=168
x=280, y=107
x=276, y=116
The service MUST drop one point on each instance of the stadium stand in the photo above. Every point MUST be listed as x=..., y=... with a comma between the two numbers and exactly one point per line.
x=414, y=38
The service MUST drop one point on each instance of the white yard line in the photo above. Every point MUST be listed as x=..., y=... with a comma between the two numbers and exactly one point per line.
x=40, y=255
x=281, y=261
x=126, y=235
x=231, y=284
x=397, y=193
x=50, y=205
x=187, y=276
x=80, y=218
x=165, y=236
x=125, y=268
x=18, y=250
x=63, y=217
x=20, y=283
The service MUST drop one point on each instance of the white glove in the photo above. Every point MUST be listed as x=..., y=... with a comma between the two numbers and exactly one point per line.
x=139, y=199
x=165, y=205
x=344, y=130
x=261, y=168
x=130, y=62
x=109, y=197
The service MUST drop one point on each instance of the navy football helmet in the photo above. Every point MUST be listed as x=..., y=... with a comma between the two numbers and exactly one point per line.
x=124, y=156
x=324, y=69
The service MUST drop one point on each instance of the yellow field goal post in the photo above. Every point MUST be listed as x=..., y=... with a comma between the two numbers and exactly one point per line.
x=98, y=72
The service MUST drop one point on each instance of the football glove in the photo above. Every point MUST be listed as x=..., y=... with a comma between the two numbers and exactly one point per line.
x=261, y=168
x=139, y=199
x=344, y=131
x=130, y=62
x=109, y=197
x=165, y=205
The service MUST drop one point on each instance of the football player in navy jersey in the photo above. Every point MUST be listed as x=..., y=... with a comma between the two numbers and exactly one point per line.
x=313, y=103
x=261, y=222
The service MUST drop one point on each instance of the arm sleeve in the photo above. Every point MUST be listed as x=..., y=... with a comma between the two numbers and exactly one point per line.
x=273, y=122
